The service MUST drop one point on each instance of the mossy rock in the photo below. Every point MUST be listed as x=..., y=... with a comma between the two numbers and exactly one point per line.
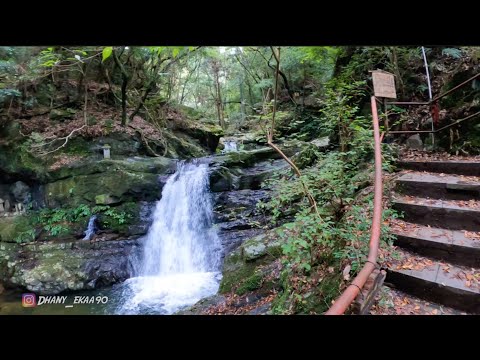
x=17, y=229
x=180, y=145
x=240, y=265
x=157, y=165
x=62, y=114
x=51, y=268
x=15, y=161
x=208, y=135
x=120, y=185
x=251, y=283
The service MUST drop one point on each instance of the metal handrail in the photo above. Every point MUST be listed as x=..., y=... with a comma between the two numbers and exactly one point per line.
x=343, y=302
x=348, y=296
x=432, y=101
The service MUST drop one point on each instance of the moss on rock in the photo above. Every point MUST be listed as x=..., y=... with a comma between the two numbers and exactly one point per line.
x=17, y=229
x=240, y=267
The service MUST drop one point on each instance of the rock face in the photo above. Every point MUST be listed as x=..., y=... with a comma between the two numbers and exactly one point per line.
x=21, y=192
x=241, y=264
x=51, y=268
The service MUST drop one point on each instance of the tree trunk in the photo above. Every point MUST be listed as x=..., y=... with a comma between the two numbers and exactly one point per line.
x=124, y=100
x=218, y=93
x=125, y=79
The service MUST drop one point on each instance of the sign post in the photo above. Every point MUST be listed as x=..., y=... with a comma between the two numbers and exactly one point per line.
x=384, y=86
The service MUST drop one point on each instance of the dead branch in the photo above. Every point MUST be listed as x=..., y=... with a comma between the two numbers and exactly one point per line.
x=66, y=138
x=270, y=132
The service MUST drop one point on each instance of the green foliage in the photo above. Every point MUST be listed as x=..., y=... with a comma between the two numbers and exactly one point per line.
x=7, y=95
x=354, y=232
x=340, y=110
x=107, y=52
x=341, y=229
x=452, y=52
x=48, y=57
x=56, y=222
x=25, y=236
x=250, y=284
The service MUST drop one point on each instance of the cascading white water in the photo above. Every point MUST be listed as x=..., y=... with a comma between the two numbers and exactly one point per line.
x=90, y=228
x=230, y=146
x=181, y=255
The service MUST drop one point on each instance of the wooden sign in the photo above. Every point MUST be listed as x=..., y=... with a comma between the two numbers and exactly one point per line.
x=384, y=84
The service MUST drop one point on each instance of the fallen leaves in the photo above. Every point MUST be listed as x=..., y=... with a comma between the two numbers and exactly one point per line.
x=419, y=155
x=394, y=302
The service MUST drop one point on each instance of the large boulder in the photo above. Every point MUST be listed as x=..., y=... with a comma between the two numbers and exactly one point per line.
x=108, y=182
x=415, y=142
x=240, y=266
x=207, y=134
x=52, y=268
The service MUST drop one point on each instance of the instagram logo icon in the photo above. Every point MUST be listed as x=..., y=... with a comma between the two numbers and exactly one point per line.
x=29, y=300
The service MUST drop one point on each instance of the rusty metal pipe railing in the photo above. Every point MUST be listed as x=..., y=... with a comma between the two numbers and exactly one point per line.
x=408, y=103
x=344, y=301
x=437, y=130
x=433, y=102
x=436, y=98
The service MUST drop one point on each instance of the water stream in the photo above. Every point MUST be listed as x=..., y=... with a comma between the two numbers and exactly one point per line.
x=90, y=228
x=230, y=146
x=181, y=255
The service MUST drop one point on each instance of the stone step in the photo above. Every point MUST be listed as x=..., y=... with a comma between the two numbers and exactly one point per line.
x=448, y=214
x=440, y=282
x=463, y=167
x=439, y=186
x=457, y=247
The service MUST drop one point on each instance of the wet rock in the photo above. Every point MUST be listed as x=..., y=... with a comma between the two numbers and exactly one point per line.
x=51, y=268
x=261, y=310
x=202, y=305
x=253, y=250
x=233, y=239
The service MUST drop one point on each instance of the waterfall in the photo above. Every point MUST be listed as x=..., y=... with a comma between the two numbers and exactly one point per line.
x=181, y=254
x=230, y=146
x=90, y=228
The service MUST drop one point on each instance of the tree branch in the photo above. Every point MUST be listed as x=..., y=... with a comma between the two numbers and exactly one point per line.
x=270, y=133
x=66, y=138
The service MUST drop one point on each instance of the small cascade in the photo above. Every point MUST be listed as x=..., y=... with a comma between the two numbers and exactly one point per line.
x=91, y=228
x=230, y=146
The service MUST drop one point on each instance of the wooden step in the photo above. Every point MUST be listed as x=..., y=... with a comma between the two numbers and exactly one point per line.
x=439, y=186
x=461, y=167
x=440, y=282
x=448, y=214
x=457, y=247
